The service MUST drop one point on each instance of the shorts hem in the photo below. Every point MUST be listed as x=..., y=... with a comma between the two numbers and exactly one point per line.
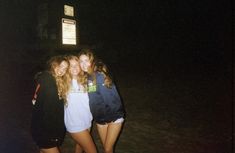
x=78, y=130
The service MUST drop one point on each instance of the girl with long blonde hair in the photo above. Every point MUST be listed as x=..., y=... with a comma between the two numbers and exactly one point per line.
x=78, y=117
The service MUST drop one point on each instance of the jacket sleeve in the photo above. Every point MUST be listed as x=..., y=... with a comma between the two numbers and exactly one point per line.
x=44, y=89
x=110, y=96
x=48, y=99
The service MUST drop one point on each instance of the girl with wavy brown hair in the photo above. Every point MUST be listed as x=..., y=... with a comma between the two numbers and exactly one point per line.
x=104, y=99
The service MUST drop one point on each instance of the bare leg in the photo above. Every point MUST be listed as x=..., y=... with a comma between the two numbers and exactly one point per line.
x=109, y=134
x=78, y=148
x=102, y=130
x=85, y=141
x=50, y=150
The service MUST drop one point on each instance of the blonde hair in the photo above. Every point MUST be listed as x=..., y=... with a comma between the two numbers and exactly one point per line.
x=81, y=79
x=60, y=80
x=96, y=66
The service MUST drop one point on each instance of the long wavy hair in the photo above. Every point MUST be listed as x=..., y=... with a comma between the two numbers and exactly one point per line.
x=62, y=86
x=81, y=78
x=96, y=66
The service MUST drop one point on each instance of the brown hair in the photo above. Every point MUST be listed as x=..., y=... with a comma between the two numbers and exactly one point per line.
x=96, y=66
x=102, y=68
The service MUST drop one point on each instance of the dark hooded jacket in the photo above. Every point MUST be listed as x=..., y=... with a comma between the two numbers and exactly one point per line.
x=105, y=103
x=48, y=111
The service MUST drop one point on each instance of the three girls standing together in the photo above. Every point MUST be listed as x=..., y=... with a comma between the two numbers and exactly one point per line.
x=75, y=91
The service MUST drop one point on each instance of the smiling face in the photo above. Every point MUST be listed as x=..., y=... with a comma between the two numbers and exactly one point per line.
x=85, y=62
x=74, y=68
x=61, y=69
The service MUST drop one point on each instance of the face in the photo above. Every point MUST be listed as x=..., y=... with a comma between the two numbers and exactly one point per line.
x=84, y=62
x=61, y=69
x=74, y=68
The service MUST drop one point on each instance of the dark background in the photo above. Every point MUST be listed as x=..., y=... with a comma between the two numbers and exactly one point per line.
x=169, y=32
x=174, y=38
x=189, y=41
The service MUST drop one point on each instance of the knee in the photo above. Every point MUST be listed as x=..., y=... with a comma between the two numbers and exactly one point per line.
x=108, y=149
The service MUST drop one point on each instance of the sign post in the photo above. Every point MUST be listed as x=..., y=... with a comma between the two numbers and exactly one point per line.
x=57, y=25
x=68, y=32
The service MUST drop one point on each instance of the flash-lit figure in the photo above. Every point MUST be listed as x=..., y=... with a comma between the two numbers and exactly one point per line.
x=105, y=102
x=47, y=125
x=78, y=117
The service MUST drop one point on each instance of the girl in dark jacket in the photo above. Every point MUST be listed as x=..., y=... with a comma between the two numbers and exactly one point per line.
x=104, y=100
x=47, y=125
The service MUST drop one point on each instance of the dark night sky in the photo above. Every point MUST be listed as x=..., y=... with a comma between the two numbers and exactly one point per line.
x=156, y=46
x=179, y=31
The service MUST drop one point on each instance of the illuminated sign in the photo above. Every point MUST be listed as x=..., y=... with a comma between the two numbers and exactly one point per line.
x=68, y=10
x=68, y=31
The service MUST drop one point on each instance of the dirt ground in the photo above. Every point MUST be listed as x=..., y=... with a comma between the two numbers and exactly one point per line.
x=166, y=112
